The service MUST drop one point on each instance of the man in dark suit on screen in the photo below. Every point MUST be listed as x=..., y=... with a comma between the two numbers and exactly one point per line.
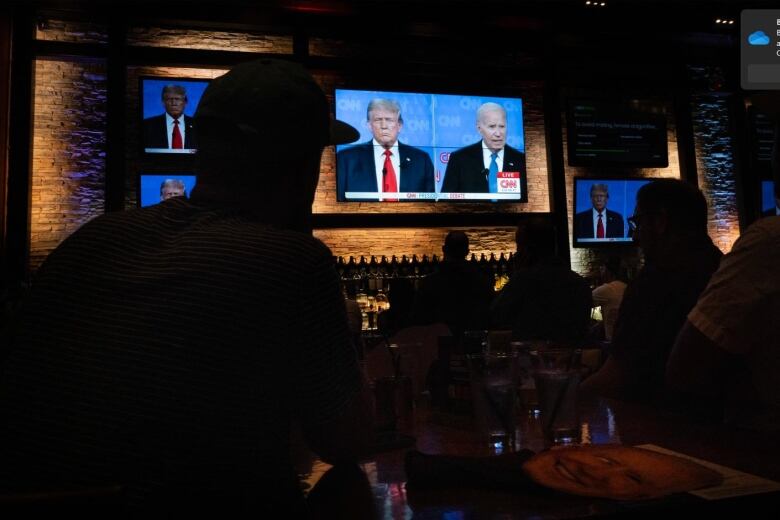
x=774, y=210
x=599, y=222
x=172, y=130
x=384, y=164
x=474, y=168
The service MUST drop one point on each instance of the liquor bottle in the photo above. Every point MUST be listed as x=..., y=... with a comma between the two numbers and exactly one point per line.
x=425, y=266
x=394, y=270
x=372, y=271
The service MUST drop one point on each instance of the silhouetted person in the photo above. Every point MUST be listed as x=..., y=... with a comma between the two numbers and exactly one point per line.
x=169, y=349
x=609, y=294
x=400, y=296
x=543, y=299
x=727, y=355
x=670, y=223
x=457, y=294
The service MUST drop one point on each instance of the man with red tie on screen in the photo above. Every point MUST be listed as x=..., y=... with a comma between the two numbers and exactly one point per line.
x=477, y=168
x=383, y=164
x=172, y=130
x=599, y=222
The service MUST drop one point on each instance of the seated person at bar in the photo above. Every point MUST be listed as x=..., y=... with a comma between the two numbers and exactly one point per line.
x=609, y=294
x=543, y=299
x=457, y=294
x=671, y=230
x=195, y=420
x=728, y=352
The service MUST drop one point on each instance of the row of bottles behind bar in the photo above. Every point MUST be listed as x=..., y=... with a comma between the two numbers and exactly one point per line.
x=372, y=275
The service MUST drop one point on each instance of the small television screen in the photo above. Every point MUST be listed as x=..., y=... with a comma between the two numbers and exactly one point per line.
x=769, y=204
x=601, y=133
x=602, y=208
x=762, y=138
x=167, y=108
x=442, y=147
x=155, y=188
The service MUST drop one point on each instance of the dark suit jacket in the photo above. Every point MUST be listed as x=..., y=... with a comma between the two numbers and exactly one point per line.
x=466, y=171
x=583, y=225
x=355, y=170
x=155, y=132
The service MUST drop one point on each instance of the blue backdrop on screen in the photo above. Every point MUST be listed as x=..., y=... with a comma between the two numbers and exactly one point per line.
x=152, y=104
x=435, y=123
x=149, y=192
x=767, y=195
x=622, y=196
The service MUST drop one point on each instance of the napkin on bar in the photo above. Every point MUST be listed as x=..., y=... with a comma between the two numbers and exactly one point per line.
x=502, y=472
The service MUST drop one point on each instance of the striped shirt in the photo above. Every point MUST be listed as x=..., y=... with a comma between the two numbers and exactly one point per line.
x=169, y=349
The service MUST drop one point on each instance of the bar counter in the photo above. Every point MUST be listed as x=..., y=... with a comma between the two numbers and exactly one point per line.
x=603, y=422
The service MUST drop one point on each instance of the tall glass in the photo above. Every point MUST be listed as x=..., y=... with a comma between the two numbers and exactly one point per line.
x=493, y=380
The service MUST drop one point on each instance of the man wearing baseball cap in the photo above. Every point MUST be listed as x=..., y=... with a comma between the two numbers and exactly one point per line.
x=172, y=349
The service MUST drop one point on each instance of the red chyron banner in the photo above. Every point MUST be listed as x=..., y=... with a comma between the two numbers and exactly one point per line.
x=508, y=182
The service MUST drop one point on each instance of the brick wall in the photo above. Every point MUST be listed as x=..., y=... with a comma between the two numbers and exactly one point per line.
x=71, y=31
x=209, y=40
x=714, y=154
x=68, y=166
x=412, y=241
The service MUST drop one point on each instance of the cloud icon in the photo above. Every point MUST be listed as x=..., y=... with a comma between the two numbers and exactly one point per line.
x=758, y=38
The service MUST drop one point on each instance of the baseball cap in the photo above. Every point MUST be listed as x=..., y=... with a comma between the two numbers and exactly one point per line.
x=273, y=99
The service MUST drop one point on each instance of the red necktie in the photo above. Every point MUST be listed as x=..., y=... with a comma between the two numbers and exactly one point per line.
x=389, y=184
x=599, y=228
x=176, y=138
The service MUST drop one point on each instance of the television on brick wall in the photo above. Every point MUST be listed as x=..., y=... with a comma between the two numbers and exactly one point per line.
x=769, y=203
x=602, y=207
x=167, y=108
x=438, y=155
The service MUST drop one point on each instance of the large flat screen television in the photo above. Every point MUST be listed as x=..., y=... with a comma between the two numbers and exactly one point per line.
x=439, y=155
x=167, y=108
x=769, y=205
x=154, y=188
x=614, y=199
x=601, y=133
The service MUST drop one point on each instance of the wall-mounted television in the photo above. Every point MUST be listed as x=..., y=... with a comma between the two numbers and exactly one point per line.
x=439, y=154
x=769, y=205
x=762, y=139
x=603, y=133
x=154, y=188
x=167, y=108
x=601, y=210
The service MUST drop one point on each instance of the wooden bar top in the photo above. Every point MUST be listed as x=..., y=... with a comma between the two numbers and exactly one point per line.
x=603, y=422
